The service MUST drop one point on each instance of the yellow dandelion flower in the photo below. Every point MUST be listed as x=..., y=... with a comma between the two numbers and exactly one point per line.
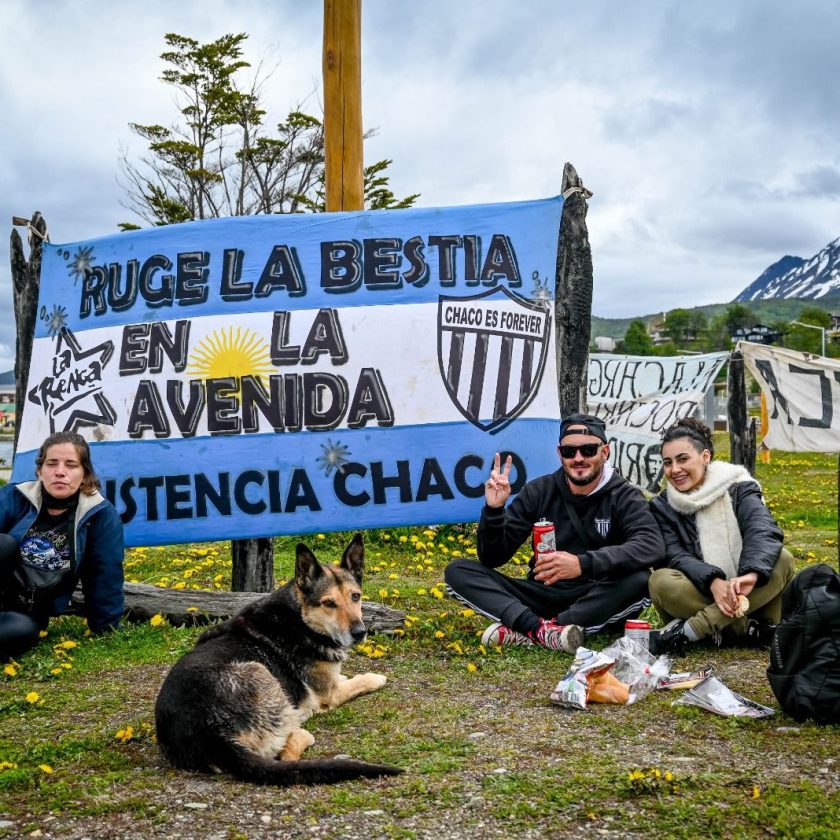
x=756, y=792
x=467, y=612
x=156, y=620
x=125, y=735
x=68, y=645
x=393, y=576
x=383, y=593
x=55, y=671
x=422, y=591
x=439, y=634
x=45, y=768
x=180, y=585
x=403, y=539
x=471, y=667
x=192, y=609
x=42, y=634
x=32, y=697
x=10, y=670
x=7, y=765
x=437, y=593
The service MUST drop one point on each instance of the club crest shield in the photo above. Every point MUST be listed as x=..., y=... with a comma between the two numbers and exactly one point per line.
x=492, y=349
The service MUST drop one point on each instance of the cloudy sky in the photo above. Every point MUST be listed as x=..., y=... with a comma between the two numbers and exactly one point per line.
x=707, y=132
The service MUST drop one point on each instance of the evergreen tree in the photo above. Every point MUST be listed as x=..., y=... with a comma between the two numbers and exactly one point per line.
x=220, y=159
x=636, y=341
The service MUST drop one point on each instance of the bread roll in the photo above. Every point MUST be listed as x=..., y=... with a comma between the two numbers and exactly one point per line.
x=605, y=688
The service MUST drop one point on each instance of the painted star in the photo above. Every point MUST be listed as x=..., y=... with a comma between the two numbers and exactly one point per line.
x=73, y=394
x=82, y=262
x=334, y=457
x=541, y=294
x=56, y=320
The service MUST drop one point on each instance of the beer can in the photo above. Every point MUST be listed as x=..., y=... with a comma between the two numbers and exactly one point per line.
x=544, y=540
x=638, y=631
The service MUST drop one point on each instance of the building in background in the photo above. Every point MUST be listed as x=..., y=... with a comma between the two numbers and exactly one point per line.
x=756, y=334
x=7, y=400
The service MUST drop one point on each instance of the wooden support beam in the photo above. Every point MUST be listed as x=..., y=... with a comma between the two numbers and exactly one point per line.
x=573, y=296
x=343, y=134
x=26, y=281
x=741, y=435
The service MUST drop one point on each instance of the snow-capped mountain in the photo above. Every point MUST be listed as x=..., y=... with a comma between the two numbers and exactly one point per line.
x=793, y=277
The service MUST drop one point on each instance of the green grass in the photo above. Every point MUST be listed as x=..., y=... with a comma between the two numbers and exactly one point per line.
x=484, y=750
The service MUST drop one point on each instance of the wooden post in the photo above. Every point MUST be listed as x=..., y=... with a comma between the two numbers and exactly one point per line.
x=252, y=565
x=343, y=136
x=573, y=296
x=26, y=280
x=765, y=425
x=736, y=410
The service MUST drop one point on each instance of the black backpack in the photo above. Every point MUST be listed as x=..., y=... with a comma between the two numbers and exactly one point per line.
x=804, y=670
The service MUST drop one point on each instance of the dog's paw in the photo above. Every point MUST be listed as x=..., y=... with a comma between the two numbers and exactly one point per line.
x=375, y=681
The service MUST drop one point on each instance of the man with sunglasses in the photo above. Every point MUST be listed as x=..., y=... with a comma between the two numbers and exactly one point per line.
x=606, y=538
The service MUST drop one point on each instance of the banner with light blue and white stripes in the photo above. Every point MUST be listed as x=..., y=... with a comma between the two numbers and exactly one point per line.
x=288, y=374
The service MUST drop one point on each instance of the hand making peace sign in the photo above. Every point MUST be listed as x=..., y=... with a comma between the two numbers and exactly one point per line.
x=497, y=487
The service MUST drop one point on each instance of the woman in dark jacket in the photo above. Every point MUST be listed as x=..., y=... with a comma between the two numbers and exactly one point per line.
x=54, y=532
x=726, y=563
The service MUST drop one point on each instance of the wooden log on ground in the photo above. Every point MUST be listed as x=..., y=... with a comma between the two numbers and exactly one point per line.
x=200, y=606
x=573, y=296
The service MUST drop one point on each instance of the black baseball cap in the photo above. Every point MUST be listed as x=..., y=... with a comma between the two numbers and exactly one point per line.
x=584, y=424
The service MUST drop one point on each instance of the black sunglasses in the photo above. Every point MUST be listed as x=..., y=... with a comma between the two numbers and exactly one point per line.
x=588, y=450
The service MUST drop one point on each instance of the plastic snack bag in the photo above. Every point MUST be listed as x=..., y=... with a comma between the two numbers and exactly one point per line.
x=635, y=665
x=574, y=689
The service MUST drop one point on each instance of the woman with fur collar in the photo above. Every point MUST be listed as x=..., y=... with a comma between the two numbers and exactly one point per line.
x=722, y=546
x=54, y=532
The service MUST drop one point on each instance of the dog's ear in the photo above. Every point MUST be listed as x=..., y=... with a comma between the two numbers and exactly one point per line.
x=354, y=558
x=307, y=567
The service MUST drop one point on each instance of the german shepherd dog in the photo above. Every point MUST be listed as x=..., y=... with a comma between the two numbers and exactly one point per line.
x=237, y=702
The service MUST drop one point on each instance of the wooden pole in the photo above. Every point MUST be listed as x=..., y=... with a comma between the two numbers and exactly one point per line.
x=26, y=280
x=343, y=136
x=741, y=434
x=253, y=560
x=573, y=296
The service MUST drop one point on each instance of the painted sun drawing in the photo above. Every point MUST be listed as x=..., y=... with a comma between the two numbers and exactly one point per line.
x=231, y=351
